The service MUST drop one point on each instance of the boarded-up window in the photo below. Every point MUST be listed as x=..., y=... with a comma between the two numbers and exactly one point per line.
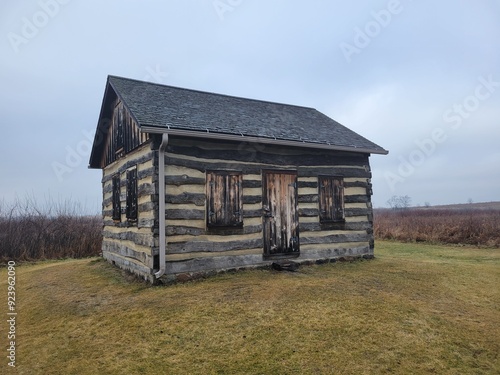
x=132, y=194
x=116, y=198
x=331, y=198
x=224, y=199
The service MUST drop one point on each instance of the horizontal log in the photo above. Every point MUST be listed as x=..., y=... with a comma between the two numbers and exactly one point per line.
x=335, y=238
x=185, y=214
x=143, y=173
x=315, y=252
x=186, y=198
x=313, y=227
x=252, y=199
x=107, y=188
x=308, y=198
x=333, y=171
x=141, y=223
x=357, y=212
x=140, y=269
x=308, y=212
x=146, y=207
x=361, y=184
x=268, y=155
x=145, y=189
x=147, y=223
x=137, y=238
x=356, y=199
x=184, y=180
x=124, y=251
x=307, y=184
x=131, y=162
x=203, y=165
x=213, y=263
x=252, y=213
x=211, y=246
x=181, y=230
x=251, y=183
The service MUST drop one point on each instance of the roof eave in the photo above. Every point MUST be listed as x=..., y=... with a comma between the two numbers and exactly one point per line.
x=264, y=140
x=95, y=153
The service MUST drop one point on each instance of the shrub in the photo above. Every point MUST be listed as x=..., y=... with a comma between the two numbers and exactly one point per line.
x=454, y=226
x=31, y=232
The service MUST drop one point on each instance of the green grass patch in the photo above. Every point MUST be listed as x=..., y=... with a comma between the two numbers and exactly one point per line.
x=414, y=309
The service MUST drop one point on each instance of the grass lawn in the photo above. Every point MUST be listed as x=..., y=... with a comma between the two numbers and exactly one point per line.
x=415, y=309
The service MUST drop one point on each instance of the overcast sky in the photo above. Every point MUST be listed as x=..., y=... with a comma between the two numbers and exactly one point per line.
x=419, y=78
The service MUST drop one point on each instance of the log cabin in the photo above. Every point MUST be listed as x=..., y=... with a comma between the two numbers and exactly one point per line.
x=195, y=183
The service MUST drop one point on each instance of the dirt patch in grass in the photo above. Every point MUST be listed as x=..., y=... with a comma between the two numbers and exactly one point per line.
x=413, y=309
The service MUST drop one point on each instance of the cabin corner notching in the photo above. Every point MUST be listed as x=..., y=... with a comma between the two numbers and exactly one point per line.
x=246, y=182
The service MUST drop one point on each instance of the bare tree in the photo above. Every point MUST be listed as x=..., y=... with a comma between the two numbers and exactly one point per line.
x=401, y=202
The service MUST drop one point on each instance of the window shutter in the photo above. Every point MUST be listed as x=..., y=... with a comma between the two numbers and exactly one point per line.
x=235, y=206
x=331, y=198
x=338, y=198
x=324, y=189
x=224, y=201
x=132, y=194
x=116, y=198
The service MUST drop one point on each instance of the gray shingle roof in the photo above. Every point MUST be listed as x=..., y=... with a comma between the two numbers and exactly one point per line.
x=155, y=105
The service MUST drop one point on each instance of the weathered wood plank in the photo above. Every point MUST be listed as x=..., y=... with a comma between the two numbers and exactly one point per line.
x=196, y=199
x=252, y=199
x=133, y=266
x=308, y=212
x=137, y=238
x=207, y=164
x=335, y=238
x=214, y=263
x=302, y=157
x=357, y=211
x=179, y=180
x=145, y=189
x=248, y=184
x=310, y=227
x=194, y=231
x=211, y=246
x=185, y=214
x=252, y=213
x=127, y=164
x=333, y=171
x=125, y=251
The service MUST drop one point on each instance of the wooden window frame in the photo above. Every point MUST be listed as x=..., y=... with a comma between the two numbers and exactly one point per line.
x=131, y=207
x=230, y=202
x=331, y=199
x=115, y=199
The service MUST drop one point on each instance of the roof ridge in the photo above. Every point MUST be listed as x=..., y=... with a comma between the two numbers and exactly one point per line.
x=210, y=93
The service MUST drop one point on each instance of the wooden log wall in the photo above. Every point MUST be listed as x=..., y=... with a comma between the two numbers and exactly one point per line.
x=192, y=247
x=132, y=245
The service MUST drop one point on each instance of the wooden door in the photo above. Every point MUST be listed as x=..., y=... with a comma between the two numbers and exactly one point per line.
x=280, y=213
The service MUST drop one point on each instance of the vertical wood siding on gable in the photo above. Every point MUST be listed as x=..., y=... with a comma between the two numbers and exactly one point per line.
x=123, y=136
